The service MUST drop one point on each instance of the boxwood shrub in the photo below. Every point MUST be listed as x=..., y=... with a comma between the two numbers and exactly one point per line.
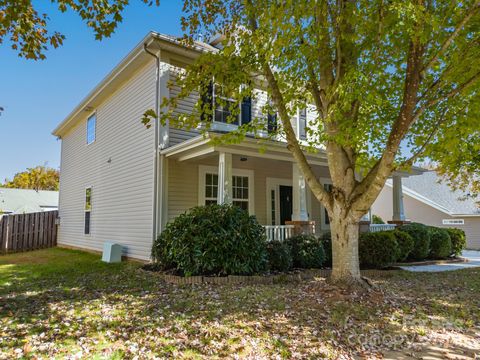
x=440, y=243
x=421, y=237
x=279, y=256
x=378, y=249
x=212, y=240
x=307, y=251
x=459, y=240
x=327, y=247
x=405, y=244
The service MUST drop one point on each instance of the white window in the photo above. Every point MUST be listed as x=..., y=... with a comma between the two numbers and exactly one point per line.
x=91, y=128
x=225, y=105
x=453, y=222
x=88, y=210
x=242, y=187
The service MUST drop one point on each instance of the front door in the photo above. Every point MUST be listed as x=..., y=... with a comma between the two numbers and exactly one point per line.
x=286, y=207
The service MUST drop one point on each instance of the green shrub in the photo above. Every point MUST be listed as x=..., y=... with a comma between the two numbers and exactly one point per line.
x=459, y=240
x=377, y=219
x=212, y=240
x=279, y=256
x=378, y=249
x=421, y=238
x=440, y=243
x=405, y=244
x=327, y=247
x=307, y=251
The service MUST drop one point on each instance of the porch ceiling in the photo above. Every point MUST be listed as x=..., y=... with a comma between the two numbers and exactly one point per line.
x=202, y=146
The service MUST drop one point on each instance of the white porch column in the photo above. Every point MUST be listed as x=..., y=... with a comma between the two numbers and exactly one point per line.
x=224, y=178
x=299, y=193
x=398, y=212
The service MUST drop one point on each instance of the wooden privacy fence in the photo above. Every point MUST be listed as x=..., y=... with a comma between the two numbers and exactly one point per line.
x=22, y=232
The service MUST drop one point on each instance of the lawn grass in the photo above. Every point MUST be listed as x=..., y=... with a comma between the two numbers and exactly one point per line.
x=64, y=303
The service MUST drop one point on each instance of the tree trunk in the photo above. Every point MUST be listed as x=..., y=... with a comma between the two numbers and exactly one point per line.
x=345, y=262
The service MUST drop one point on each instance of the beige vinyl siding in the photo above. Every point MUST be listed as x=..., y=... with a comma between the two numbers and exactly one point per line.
x=418, y=211
x=118, y=166
x=185, y=106
x=183, y=183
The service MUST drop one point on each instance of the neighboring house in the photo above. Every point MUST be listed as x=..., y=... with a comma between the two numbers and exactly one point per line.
x=428, y=201
x=122, y=182
x=21, y=201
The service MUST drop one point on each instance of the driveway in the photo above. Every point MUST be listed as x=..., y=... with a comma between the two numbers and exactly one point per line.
x=473, y=257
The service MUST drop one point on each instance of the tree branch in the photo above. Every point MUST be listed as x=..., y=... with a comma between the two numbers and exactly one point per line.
x=446, y=44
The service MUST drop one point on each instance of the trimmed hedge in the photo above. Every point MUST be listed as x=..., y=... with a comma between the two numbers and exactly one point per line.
x=378, y=249
x=458, y=239
x=377, y=219
x=279, y=256
x=405, y=244
x=421, y=237
x=307, y=251
x=327, y=247
x=440, y=243
x=212, y=240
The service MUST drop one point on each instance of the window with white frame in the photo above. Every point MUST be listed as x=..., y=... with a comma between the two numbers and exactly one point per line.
x=302, y=124
x=453, y=222
x=225, y=105
x=242, y=187
x=88, y=210
x=91, y=128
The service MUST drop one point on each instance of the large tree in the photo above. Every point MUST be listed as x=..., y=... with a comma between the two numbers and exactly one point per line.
x=391, y=82
x=37, y=178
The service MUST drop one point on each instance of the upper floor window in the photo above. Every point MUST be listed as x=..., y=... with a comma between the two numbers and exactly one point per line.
x=91, y=128
x=224, y=106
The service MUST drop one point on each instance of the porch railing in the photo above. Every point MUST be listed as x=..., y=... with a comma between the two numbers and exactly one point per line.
x=278, y=232
x=381, y=227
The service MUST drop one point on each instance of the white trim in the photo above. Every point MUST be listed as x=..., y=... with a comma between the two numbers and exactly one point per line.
x=207, y=169
x=274, y=184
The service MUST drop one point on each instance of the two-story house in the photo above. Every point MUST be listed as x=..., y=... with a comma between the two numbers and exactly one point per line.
x=123, y=182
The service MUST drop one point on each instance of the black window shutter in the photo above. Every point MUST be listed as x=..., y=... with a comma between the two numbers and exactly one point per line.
x=207, y=98
x=272, y=122
x=246, y=110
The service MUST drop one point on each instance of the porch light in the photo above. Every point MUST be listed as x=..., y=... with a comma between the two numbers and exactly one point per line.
x=243, y=158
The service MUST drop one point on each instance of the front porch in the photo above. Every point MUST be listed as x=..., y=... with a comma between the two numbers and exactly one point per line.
x=262, y=178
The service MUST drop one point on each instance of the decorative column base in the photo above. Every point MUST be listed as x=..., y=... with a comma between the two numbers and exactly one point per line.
x=364, y=226
x=302, y=227
x=399, y=222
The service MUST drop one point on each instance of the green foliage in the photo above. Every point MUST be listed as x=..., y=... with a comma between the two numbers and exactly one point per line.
x=307, y=251
x=405, y=244
x=458, y=239
x=327, y=246
x=29, y=34
x=440, y=243
x=279, y=256
x=212, y=240
x=378, y=249
x=377, y=219
x=37, y=178
x=421, y=236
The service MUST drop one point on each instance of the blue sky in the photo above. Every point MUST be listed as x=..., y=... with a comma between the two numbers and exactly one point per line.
x=37, y=95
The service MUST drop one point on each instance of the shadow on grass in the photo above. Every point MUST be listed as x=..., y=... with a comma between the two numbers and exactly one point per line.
x=73, y=302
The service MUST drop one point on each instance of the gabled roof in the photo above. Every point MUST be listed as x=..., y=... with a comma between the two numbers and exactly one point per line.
x=428, y=189
x=20, y=201
x=134, y=60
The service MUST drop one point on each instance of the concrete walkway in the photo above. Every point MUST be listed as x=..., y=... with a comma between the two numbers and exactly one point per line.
x=473, y=257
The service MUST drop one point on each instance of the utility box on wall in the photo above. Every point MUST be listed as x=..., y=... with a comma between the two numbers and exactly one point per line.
x=112, y=252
